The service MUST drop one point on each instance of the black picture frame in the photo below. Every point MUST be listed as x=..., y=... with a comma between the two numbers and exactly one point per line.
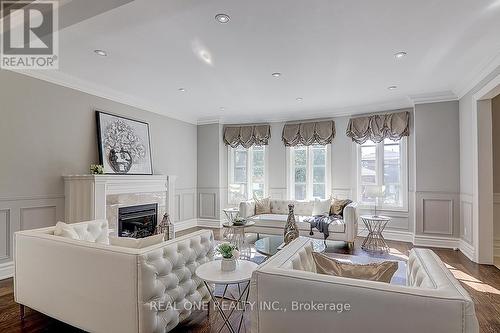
x=104, y=160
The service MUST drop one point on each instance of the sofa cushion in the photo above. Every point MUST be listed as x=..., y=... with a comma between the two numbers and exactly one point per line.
x=279, y=220
x=377, y=271
x=279, y=206
x=321, y=207
x=92, y=231
x=262, y=206
x=338, y=206
x=303, y=207
x=136, y=243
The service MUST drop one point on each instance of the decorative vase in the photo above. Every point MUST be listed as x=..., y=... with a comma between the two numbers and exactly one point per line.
x=291, y=230
x=228, y=265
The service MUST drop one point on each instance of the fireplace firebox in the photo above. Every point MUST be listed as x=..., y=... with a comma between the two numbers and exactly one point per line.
x=137, y=221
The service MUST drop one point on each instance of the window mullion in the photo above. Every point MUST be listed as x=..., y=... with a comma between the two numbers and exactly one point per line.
x=249, y=172
x=309, y=179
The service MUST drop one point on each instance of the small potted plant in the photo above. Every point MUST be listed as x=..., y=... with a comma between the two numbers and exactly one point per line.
x=97, y=169
x=229, y=254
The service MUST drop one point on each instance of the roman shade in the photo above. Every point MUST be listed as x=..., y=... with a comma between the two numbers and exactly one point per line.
x=247, y=136
x=308, y=133
x=379, y=127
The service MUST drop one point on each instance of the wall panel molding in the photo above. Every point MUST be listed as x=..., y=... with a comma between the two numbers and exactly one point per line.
x=207, y=205
x=5, y=252
x=437, y=214
x=25, y=212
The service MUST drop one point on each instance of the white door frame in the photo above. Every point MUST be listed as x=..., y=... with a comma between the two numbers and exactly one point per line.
x=482, y=157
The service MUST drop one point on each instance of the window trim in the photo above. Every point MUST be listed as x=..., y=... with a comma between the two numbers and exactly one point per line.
x=230, y=173
x=290, y=183
x=403, y=146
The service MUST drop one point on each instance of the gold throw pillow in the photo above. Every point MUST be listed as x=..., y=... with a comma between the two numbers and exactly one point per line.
x=338, y=206
x=378, y=271
x=262, y=206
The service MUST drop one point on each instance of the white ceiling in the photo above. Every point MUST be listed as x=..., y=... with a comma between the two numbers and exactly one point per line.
x=337, y=55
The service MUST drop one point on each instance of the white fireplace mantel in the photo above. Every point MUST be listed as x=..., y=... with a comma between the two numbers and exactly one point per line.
x=85, y=195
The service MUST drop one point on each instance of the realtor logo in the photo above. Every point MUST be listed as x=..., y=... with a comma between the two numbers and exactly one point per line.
x=29, y=35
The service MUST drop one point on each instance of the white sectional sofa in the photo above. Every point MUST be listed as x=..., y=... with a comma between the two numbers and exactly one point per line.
x=432, y=301
x=102, y=288
x=345, y=229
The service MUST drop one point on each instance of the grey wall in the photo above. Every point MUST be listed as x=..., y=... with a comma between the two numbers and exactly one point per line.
x=47, y=131
x=437, y=171
x=495, y=108
x=466, y=161
x=210, y=169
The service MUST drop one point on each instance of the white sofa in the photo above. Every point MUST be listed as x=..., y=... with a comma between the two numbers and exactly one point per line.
x=102, y=288
x=345, y=229
x=432, y=301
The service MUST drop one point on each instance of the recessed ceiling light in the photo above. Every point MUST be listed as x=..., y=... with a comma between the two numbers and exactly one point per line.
x=222, y=18
x=400, y=55
x=102, y=53
x=392, y=87
x=277, y=74
x=299, y=99
x=222, y=108
x=182, y=89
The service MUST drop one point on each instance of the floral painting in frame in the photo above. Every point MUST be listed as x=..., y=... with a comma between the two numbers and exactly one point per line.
x=124, y=145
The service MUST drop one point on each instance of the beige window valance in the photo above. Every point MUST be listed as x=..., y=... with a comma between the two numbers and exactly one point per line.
x=247, y=136
x=308, y=133
x=379, y=127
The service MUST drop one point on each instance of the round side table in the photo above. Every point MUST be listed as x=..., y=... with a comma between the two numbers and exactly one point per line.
x=236, y=236
x=211, y=273
x=374, y=241
x=231, y=214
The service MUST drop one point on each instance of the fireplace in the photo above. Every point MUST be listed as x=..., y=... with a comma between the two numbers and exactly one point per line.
x=137, y=221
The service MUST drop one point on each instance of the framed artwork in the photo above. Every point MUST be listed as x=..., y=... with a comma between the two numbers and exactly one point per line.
x=124, y=145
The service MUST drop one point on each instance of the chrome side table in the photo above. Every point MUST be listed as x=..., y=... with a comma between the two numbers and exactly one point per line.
x=236, y=236
x=374, y=241
x=231, y=214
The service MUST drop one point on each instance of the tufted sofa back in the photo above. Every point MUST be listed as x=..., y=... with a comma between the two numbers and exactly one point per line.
x=118, y=289
x=168, y=286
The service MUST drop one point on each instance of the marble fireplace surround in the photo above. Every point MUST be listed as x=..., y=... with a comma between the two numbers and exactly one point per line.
x=89, y=197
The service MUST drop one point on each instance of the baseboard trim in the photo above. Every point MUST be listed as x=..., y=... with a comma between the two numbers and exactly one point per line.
x=467, y=249
x=186, y=224
x=391, y=234
x=6, y=270
x=207, y=223
x=436, y=241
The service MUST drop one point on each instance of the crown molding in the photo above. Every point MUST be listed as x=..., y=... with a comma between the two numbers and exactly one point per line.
x=434, y=97
x=208, y=121
x=462, y=89
x=71, y=82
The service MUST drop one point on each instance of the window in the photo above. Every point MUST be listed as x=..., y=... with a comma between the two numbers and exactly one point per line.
x=309, y=172
x=247, y=173
x=383, y=166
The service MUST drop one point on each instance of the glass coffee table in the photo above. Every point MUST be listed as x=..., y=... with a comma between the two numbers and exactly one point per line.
x=270, y=245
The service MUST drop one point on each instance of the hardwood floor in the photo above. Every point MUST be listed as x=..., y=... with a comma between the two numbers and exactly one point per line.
x=481, y=281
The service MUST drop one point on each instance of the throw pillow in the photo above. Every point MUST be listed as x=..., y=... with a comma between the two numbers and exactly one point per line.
x=65, y=230
x=321, y=207
x=262, y=206
x=338, y=206
x=379, y=271
x=136, y=243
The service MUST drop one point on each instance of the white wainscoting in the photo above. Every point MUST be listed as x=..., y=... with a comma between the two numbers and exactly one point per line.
x=437, y=214
x=22, y=213
x=496, y=224
x=278, y=192
x=466, y=211
x=185, y=208
x=342, y=193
